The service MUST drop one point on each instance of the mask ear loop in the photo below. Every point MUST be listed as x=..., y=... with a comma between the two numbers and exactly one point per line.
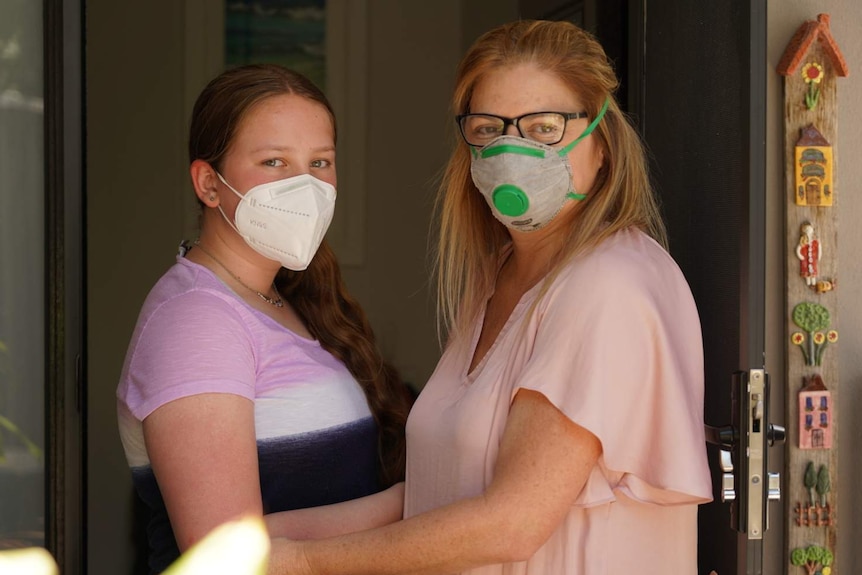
x=240, y=196
x=589, y=130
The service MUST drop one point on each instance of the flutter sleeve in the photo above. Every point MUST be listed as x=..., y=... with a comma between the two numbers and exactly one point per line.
x=617, y=348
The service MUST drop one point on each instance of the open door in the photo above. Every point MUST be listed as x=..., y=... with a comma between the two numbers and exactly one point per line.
x=701, y=93
x=693, y=79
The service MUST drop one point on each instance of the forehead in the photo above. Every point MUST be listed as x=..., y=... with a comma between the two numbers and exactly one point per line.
x=285, y=119
x=522, y=88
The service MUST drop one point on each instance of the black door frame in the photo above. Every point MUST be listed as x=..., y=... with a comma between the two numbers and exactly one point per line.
x=65, y=393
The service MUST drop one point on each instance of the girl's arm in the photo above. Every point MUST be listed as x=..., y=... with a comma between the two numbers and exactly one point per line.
x=203, y=452
x=543, y=463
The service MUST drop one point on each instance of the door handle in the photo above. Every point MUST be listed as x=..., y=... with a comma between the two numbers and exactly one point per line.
x=746, y=482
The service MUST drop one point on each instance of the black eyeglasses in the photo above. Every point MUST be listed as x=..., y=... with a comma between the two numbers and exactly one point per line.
x=543, y=127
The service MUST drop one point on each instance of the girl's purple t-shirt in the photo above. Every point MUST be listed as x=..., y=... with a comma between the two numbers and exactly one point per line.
x=317, y=440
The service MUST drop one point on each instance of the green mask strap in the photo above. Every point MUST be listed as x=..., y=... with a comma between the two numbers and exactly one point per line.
x=586, y=132
x=589, y=129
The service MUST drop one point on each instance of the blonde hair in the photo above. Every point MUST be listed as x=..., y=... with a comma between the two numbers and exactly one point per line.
x=470, y=238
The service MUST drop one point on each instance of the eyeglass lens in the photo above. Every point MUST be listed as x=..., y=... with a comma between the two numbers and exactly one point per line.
x=543, y=127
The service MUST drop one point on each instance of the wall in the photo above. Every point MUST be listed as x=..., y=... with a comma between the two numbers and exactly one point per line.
x=783, y=19
x=135, y=181
x=413, y=51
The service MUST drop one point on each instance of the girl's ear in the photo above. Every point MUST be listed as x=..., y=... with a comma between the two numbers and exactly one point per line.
x=205, y=182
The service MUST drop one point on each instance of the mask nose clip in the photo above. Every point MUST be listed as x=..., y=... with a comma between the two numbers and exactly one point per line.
x=510, y=200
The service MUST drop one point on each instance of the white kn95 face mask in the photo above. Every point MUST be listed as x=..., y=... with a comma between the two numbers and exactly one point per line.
x=284, y=220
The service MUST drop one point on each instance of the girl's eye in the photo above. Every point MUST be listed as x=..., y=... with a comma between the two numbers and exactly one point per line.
x=273, y=163
x=321, y=164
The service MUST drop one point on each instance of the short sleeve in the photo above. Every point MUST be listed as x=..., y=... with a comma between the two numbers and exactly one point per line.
x=617, y=348
x=193, y=343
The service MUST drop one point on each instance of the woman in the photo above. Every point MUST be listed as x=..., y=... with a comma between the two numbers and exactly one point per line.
x=562, y=431
x=252, y=384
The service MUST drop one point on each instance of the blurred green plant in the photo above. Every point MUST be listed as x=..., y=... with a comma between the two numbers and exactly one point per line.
x=29, y=561
x=238, y=547
x=7, y=426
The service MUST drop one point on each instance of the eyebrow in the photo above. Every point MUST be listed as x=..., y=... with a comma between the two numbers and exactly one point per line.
x=279, y=148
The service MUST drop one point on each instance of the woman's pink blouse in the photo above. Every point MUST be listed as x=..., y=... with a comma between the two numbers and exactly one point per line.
x=615, y=344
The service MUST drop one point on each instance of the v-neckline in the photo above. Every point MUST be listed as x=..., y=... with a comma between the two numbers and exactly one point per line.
x=468, y=375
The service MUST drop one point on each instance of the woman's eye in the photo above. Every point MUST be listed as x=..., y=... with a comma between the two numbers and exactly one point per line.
x=544, y=129
x=273, y=163
x=320, y=164
x=488, y=130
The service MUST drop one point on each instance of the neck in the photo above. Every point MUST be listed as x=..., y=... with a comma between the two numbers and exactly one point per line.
x=542, y=244
x=535, y=253
x=237, y=263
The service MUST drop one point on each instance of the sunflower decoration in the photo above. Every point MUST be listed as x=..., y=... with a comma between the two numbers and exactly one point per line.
x=815, y=336
x=812, y=73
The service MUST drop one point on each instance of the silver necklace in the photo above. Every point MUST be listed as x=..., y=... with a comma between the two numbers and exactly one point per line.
x=276, y=301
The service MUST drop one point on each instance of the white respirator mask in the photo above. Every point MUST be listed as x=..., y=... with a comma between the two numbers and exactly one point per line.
x=284, y=220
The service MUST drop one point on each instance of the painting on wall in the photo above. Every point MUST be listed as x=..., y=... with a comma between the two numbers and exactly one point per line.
x=287, y=32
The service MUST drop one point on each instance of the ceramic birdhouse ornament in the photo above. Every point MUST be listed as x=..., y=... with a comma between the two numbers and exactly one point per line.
x=814, y=182
x=811, y=60
x=815, y=415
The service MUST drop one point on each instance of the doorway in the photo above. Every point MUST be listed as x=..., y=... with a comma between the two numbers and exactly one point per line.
x=693, y=81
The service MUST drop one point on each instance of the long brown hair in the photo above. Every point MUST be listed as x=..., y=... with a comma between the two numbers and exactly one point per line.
x=470, y=238
x=318, y=294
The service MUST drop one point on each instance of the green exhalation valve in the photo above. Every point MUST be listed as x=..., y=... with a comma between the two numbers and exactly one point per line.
x=511, y=200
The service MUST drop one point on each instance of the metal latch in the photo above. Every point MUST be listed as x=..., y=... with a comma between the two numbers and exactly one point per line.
x=745, y=481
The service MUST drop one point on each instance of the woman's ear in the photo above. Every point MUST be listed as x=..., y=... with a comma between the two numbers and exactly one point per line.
x=205, y=182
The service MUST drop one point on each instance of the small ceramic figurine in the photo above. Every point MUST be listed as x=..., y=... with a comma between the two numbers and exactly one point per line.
x=823, y=286
x=808, y=251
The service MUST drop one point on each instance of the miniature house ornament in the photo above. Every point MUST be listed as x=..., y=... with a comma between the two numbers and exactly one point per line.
x=798, y=61
x=813, y=181
x=815, y=415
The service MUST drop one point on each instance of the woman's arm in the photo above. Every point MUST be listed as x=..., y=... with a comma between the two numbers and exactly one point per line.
x=544, y=462
x=339, y=518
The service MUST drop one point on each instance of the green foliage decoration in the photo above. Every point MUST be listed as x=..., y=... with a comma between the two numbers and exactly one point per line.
x=814, y=558
x=810, y=481
x=814, y=319
x=824, y=484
